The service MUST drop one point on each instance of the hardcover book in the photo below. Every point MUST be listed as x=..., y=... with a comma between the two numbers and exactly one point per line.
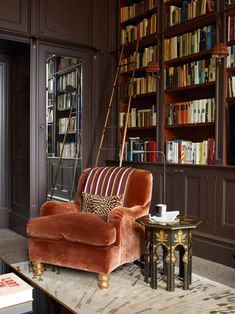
x=13, y=290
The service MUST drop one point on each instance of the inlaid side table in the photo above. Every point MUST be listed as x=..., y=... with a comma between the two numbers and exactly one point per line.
x=168, y=236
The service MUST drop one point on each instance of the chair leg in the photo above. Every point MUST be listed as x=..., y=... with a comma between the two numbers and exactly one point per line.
x=103, y=281
x=38, y=268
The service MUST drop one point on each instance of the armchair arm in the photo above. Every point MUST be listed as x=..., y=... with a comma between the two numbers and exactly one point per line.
x=55, y=208
x=124, y=219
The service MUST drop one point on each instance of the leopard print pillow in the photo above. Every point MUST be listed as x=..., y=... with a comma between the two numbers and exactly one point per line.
x=99, y=204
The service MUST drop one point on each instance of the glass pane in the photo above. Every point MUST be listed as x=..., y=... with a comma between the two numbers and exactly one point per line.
x=64, y=125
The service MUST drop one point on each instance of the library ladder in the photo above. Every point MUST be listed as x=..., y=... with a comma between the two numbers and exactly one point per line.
x=115, y=85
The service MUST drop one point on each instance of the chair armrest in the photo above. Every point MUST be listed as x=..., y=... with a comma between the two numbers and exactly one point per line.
x=55, y=208
x=124, y=219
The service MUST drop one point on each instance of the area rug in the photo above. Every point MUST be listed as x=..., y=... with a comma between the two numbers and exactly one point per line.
x=129, y=293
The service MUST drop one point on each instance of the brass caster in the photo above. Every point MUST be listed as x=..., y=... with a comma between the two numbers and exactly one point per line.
x=38, y=268
x=103, y=281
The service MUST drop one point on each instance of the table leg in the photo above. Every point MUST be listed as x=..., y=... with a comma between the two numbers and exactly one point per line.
x=186, y=269
x=146, y=261
x=170, y=260
x=153, y=265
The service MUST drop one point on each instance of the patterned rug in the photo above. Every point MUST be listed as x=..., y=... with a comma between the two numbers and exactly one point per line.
x=129, y=294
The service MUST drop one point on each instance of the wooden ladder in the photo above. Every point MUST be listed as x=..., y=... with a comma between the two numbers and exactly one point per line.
x=115, y=85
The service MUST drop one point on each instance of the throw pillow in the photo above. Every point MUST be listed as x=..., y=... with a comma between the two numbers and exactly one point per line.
x=99, y=204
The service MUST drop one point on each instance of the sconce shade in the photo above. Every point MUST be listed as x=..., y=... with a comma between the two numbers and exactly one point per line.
x=152, y=67
x=219, y=51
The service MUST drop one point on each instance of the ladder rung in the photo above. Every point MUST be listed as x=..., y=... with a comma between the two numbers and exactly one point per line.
x=112, y=127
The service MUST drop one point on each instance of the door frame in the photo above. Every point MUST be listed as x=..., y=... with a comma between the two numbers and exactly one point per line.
x=38, y=173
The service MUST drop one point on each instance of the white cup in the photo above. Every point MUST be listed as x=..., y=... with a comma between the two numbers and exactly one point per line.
x=161, y=210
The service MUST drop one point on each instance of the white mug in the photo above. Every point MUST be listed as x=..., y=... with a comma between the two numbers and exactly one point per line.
x=161, y=210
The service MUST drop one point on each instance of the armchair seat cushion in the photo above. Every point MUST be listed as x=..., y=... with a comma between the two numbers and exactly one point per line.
x=82, y=227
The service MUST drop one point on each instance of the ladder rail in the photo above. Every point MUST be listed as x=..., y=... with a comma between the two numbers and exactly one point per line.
x=128, y=107
x=109, y=108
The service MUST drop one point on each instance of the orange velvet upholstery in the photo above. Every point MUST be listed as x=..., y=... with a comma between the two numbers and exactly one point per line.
x=64, y=235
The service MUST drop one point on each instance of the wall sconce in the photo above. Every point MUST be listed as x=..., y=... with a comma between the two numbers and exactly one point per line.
x=153, y=67
x=219, y=51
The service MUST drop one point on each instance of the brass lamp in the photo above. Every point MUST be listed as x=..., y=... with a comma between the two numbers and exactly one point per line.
x=219, y=51
x=152, y=67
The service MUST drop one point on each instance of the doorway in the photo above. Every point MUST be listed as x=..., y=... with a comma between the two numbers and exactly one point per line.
x=14, y=133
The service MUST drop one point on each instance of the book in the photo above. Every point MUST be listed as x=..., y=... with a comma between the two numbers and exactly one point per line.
x=13, y=290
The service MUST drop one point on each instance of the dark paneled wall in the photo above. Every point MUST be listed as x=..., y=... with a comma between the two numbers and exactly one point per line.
x=74, y=27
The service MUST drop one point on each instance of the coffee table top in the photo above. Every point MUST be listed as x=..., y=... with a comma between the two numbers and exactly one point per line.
x=183, y=222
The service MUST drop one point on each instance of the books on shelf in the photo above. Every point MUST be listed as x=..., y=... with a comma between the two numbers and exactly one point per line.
x=138, y=118
x=231, y=56
x=69, y=150
x=67, y=126
x=13, y=290
x=231, y=86
x=128, y=12
x=195, y=111
x=199, y=40
x=189, y=10
x=140, y=150
x=142, y=59
x=141, y=85
x=192, y=73
x=146, y=27
x=188, y=152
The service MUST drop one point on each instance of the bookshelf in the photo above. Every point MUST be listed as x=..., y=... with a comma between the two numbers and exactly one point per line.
x=64, y=120
x=190, y=30
x=139, y=21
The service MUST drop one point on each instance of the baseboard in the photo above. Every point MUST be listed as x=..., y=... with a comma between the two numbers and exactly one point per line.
x=219, y=252
x=18, y=223
x=4, y=218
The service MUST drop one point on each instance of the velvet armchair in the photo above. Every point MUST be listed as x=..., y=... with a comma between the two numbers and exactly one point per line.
x=67, y=235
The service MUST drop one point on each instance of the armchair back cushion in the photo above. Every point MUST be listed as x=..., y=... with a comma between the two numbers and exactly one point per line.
x=135, y=187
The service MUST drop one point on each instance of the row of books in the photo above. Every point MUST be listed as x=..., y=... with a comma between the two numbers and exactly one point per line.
x=188, y=10
x=197, y=72
x=66, y=125
x=228, y=2
x=144, y=28
x=195, y=111
x=189, y=43
x=69, y=150
x=67, y=79
x=231, y=28
x=141, y=85
x=65, y=62
x=231, y=86
x=50, y=113
x=128, y=12
x=142, y=59
x=138, y=118
x=139, y=149
x=65, y=101
x=50, y=85
x=188, y=152
x=231, y=56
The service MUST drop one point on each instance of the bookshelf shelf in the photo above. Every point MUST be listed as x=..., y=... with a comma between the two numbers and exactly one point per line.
x=230, y=9
x=190, y=25
x=189, y=58
x=195, y=88
x=193, y=125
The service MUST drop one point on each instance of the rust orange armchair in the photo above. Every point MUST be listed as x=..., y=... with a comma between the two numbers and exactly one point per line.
x=66, y=235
